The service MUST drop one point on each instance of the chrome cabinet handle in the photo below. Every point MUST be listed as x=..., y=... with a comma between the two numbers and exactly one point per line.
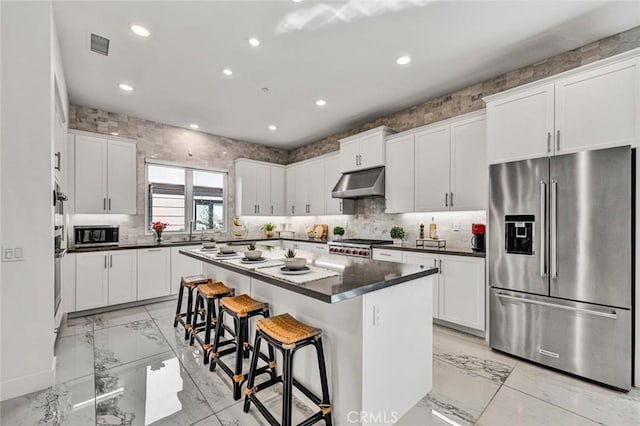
x=105, y=261
x=543, y=228
x=384, y=254
x=340, y=205
x=451, y=198
x=154, y=250
x=293, y=209
x=435, y=263
x=57, y=155
x=258, y=207
x=440, y=266
x=558, y=141
x=548, y=141
x=446, y=199
x=109, y=204
x=611, y=315
x=271, y=209
x=104, y=204
x=357, y=160
x=554, y=229
x=110, y=261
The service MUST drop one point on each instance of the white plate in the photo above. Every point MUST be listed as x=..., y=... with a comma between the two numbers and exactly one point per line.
x=209, y=250
x=249, y=262
x=303, y=271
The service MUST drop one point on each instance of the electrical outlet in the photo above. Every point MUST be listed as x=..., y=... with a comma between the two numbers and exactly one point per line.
x=456, y=226
x=377, y=315
x=12, y=254
x=7, y=254
x=17, y=253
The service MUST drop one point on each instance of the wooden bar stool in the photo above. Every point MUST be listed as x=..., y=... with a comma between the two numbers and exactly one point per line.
x=206, y=296
x=184, y=318
x=241, y=308
x=288, y=335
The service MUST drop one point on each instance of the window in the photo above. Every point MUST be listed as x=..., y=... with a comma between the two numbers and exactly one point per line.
x=183, y=196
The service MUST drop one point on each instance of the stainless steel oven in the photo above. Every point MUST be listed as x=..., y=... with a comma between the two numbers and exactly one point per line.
x=59, y=252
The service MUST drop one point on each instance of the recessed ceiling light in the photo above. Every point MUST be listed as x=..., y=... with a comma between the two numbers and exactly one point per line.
x=126, y=87
x=272, y=127
x=297, y=1
x=321, y=102
x=227, y=71
x=254, y=42
x=140, y=30
x=403, y=60
x=194, y=126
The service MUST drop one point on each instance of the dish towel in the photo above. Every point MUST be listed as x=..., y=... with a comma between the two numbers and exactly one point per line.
x=316, y=273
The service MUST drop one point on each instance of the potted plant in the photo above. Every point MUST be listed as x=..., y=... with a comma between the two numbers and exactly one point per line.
x=211, y=243
x=268, y=229
x=397, y=234
x=338, y=232
x=293, y=262
x=228, y=249
x=252, y=253
x=311, y=234
x=158, y=228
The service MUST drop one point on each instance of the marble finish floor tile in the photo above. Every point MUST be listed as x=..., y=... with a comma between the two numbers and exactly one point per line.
x=126, y=343
x=578, y=396
x=155, y=390
x=511, y=407
x=119, y=317
x=73, y=326
x=74, y=357
x=460, y=394
x=423, y=414
x=209, y=421
x=272, y=400
x=71, y=403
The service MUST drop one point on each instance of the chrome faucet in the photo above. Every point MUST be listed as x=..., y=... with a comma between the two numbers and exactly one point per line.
x=191, y=230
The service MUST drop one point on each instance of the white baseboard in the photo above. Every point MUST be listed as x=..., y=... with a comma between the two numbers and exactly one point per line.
x=23, y=385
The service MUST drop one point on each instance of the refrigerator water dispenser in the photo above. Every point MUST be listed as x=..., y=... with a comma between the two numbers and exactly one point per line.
x=519, y=234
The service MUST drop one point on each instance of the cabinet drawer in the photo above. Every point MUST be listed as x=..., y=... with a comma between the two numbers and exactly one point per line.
x=388, y=255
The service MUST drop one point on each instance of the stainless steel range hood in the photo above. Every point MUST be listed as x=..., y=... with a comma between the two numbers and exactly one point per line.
x=360, y=184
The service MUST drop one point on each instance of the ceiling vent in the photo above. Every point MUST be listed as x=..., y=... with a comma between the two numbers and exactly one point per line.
x=99, y=44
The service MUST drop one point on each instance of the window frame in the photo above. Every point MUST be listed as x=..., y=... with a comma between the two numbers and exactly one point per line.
x=188, y=193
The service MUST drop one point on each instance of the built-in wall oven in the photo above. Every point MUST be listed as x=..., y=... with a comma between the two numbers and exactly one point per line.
x=59, y=245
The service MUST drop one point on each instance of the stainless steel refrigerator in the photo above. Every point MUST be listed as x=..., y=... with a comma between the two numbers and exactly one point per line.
x=560, y=262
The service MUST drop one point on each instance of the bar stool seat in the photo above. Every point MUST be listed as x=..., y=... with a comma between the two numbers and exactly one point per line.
x=286, y=329
x=288, y=335
x=206, y=296
x=242, y=305
x=189, y=282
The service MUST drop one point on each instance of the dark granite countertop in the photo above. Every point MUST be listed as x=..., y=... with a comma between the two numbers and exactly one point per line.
x=179, y=243
x=450, y=251
x=357, y=276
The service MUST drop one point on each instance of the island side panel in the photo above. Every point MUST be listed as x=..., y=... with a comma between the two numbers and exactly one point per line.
x=341, y=324
x=397, y=347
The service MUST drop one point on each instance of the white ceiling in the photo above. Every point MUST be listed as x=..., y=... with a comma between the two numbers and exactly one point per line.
x=343, y=52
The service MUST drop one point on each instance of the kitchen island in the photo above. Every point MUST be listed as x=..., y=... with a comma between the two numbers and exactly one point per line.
x=376, y=322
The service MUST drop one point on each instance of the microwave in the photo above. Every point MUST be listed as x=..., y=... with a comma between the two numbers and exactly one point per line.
x=96, y=235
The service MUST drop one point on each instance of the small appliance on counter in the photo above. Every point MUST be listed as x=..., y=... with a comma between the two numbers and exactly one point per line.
x=96, y=235
x=478, y=240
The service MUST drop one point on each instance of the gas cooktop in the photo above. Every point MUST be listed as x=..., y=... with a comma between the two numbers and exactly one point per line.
x=360, y=247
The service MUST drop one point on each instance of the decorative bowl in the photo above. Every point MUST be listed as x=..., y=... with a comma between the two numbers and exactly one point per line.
x=295, y=263
x=227, y=249
x=253, y=254
x=209, y=244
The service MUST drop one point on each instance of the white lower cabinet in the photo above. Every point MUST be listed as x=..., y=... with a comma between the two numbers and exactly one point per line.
x=122, y=277
x=182, y=266
x=429, y=260
x=92, y=280
x=154, y=272
x=462, y=291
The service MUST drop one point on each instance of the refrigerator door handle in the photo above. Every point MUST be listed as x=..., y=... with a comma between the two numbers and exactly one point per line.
x=543, y=229
x=611, y=315
x=554, y=229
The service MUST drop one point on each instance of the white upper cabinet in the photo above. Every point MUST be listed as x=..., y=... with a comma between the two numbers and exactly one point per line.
x=306, y=188
x=278, y=202
x=314, y=177
x=598, y=108
x=90, y=175
x=291, y=190
x=438, y=167
x=331, y=176
x=521, y=126
x=400, y=175
x=105, y=175
x=591, y=107
x=121, y=177
x=259, y=188
x=432, y=169
x=364, y=150
x=469, y=172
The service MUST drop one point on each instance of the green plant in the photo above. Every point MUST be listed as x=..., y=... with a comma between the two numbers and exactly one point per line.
x=290, y=254
x=269, y=226
x=252, y=246
x=397, y=232
x=338, y=230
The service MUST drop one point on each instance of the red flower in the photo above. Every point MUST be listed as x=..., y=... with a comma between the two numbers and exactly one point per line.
x=158, y=226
